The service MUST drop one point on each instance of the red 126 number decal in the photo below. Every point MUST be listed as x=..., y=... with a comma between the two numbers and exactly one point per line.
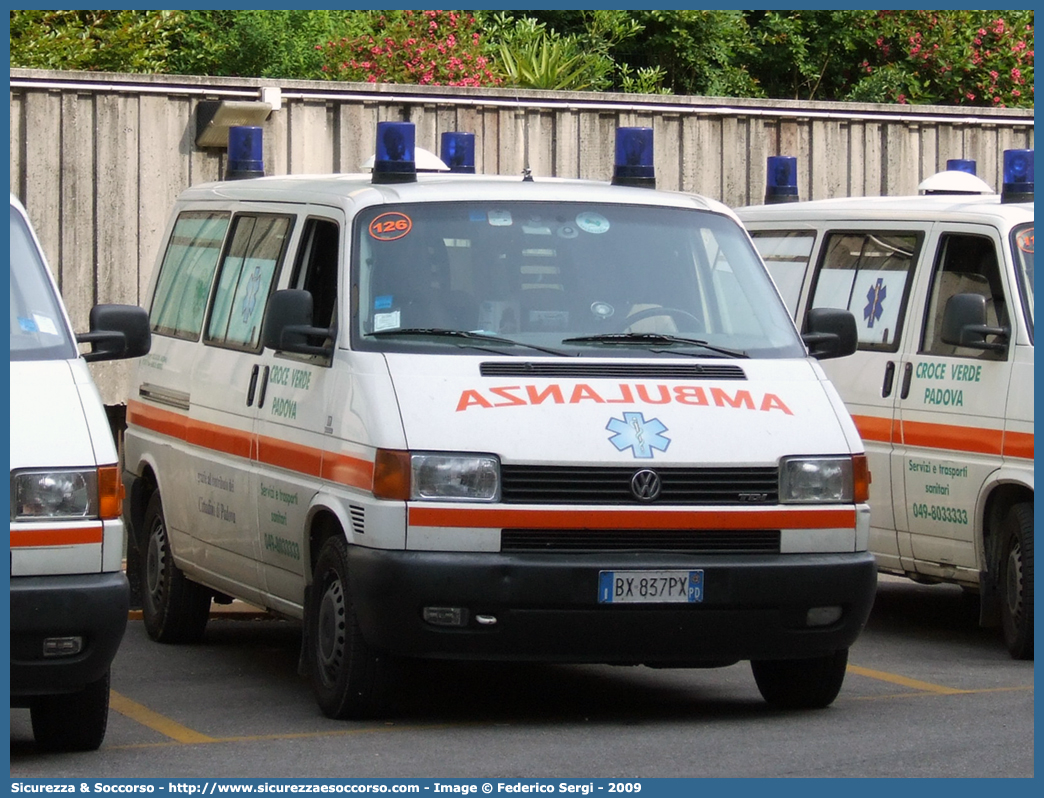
x=389, y=226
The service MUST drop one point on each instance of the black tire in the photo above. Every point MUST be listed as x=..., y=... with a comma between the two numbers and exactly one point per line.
x=174, y=608
x=801, y=683
x=1016, y=580
x=348, y=677
x=73, y=721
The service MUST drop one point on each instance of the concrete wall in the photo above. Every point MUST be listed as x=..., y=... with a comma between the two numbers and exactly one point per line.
x=99, y=158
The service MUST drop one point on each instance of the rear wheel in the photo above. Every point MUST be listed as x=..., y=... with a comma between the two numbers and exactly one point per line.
x=72, y=721
x=1016, y=580
x=174, y=608
x=801, y=683
x=348, y=677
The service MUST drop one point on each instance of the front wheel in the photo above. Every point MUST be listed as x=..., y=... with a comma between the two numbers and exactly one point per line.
x=1016, y=580
x=801, y=683
x=72, y=721
x=348, y=677
x=174, y=608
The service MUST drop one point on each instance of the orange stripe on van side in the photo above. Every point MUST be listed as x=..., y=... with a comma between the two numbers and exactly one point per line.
x=339, y=468
x=873, y=428
x=947, y=437
x=958, y=439
x=1018, y=444
x=716, y=518
x=177, y=425
x=347, y=470
x=174, y=425
x=50, y=536
x=291, y=456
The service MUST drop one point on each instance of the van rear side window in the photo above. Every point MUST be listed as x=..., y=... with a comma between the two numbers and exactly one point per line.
x=786, y=254
x=187, y=273
x=247, y=271
x=868, y=273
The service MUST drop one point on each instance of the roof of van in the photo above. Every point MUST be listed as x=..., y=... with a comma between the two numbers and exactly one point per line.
x=921, y=207
x=344, y=190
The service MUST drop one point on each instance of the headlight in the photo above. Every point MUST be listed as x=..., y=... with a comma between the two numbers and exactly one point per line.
x=455, y=477
x=816, y=480
x=47, y=495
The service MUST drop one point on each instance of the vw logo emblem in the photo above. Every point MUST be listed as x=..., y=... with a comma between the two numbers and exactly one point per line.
x=645, y=485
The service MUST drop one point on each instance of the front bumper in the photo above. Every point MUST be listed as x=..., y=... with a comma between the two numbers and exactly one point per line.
x=546, y=606
x=91, y=606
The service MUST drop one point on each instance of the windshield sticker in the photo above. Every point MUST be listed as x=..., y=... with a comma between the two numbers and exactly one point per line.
x=640, y=436
x=386, y=321
x=27, y=325
x=1024, y=241
x=535, y=226
x=383, y=302
x=568, y=231
x=499, y=218
x=591, y=222
x=390, y=226
x=45, y=324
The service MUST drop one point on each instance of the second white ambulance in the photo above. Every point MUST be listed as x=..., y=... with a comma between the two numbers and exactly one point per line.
x=501, y=418
x=941, y=387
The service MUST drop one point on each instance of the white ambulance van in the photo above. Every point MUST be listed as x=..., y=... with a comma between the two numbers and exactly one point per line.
x=941, y=388
x=69, y=595
x=494, y=418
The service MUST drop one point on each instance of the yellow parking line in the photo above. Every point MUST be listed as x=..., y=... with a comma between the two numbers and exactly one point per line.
x=155, y=721
x=913, y=684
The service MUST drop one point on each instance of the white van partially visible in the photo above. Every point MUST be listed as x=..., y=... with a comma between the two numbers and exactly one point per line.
x=69, y=595
x=941, y=386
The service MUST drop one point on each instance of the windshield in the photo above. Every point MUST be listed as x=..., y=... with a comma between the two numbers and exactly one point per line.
x=1022, y=240
x=38, y=330
x=571, y=278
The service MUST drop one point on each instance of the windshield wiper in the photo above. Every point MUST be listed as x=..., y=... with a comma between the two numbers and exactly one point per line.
x=466, y=334
x=644, y=339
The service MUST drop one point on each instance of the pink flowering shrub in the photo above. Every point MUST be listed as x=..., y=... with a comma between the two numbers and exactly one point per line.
x=427, y=48
x=981, y=58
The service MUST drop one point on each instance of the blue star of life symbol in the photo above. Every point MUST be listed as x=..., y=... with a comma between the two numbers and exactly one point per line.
x=641, y=436
x=874, y=297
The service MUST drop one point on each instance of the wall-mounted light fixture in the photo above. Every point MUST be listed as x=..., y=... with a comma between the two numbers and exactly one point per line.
x=215, y=117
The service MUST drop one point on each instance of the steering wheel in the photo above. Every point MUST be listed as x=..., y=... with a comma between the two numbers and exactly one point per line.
x=674, y=313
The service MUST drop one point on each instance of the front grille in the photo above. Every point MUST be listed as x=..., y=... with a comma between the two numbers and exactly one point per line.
x=522, y=484
x=703, y=541
x=611, y=370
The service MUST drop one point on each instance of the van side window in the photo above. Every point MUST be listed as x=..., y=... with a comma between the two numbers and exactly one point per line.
x=786, y=254
x=186, y=274
x=868, y=273
x=965, y=264
x=315, y=269
x=247, y=271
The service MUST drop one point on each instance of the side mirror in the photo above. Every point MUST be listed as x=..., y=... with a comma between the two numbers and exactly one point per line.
x=964, y=324
x=117, y=332
x=288, y=324
x=831, y=333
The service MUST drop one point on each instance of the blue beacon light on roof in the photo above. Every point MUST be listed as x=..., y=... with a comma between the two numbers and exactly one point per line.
x=781, y=179
x=245, y=153
x=394, y=161
x=633, y=165
x=960, y=165
x=1017, y=183
x=458, y=152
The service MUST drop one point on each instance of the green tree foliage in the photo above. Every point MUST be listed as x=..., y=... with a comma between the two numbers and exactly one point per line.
x=436, y=48
x=979, y=58
x=107, y=41
x=982, y=58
